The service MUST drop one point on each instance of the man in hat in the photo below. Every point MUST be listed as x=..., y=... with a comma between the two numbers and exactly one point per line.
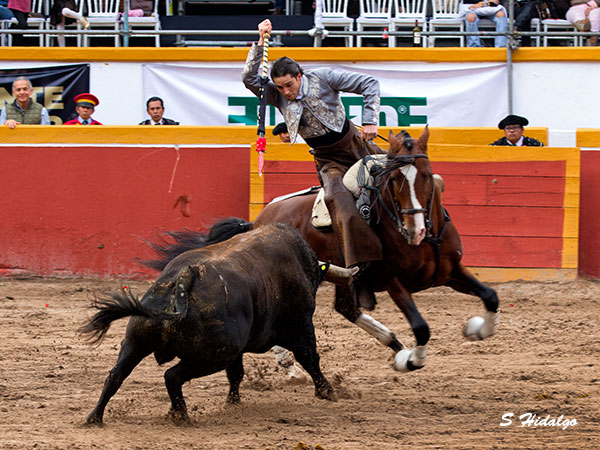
x=155, y=108
x=283, y=133
x=85, y=105
x=23, y=110
x=513, y=133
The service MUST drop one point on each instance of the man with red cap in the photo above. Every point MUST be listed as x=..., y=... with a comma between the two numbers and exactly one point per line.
x=84, y=106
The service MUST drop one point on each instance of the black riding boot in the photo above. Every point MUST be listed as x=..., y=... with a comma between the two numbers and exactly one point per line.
x=361, y=287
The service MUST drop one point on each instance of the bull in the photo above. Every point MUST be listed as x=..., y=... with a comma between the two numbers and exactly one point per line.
x=212, y=304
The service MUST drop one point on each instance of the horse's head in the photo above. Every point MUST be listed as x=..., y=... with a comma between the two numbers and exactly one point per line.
x=411, y=183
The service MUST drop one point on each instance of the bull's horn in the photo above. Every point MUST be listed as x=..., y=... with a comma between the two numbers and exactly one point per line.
x=338, y=275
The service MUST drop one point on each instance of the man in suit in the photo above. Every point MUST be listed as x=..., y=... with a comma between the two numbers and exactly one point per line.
x=156, y=108
x=513, y=133
x=85, y=105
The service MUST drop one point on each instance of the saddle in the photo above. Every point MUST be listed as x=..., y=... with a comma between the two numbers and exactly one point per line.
x=355, y=179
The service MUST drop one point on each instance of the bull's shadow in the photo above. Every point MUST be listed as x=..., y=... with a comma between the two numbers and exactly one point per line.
x=211, y=305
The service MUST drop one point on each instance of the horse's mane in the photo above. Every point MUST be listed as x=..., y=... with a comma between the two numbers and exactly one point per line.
x=399, y=155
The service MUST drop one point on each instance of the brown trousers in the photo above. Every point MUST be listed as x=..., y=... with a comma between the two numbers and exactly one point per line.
x=358, y=241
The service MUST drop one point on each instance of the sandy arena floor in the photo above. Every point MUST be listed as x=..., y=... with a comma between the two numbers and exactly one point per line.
x=545, y=360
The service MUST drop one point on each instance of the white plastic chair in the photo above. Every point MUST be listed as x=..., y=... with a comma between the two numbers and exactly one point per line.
x=406, y=13
x=335, y=14
x=72, y=26
x=374, y=13
x=36, y=20
x=102, y=14
x=151, y=21
x=559, y=25
x=446, y=15
x=5, y=37
x=536, y=25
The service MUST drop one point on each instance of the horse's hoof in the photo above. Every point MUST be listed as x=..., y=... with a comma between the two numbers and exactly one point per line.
x=402, y=362
x=471, y=330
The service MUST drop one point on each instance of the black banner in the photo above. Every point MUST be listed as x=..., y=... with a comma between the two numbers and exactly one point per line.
x=53, y=87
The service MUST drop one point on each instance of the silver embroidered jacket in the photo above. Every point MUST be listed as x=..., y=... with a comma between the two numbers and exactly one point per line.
x=320, y=105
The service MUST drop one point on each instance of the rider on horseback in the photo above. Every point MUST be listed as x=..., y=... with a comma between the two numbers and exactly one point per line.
x=311, y=106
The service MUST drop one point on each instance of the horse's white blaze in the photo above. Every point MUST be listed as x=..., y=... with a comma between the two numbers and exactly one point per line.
x=375, y=329
x=417, y=230
x=479, y=328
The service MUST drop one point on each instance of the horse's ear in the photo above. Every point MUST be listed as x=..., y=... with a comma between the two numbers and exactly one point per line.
x=424, y=138
x=393, y=141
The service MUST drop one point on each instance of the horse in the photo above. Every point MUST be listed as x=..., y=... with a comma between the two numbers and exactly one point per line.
x=421, y=247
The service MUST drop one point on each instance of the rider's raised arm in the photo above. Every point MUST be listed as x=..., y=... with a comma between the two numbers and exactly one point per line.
x=252, y=73
x=361, y=84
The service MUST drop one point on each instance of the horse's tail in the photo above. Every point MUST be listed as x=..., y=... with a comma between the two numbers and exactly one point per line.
x=114, y=306
x=189, y=240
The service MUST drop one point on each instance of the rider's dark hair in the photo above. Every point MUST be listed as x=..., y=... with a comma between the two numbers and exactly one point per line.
x=285, y=66
x=155, y=99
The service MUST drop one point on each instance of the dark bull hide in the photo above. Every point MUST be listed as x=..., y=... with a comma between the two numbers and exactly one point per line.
x=213, y=304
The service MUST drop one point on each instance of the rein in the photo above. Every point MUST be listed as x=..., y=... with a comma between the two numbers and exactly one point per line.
x=398, y=211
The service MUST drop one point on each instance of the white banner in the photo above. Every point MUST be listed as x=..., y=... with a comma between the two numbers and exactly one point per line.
x=442, y=95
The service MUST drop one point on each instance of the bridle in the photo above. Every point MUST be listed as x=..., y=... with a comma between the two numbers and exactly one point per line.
x=397, y=213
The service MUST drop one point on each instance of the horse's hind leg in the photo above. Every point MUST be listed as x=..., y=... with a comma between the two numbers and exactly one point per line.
x=129, y=357
x=477, y=328
x=346, y=306
x=407, y=360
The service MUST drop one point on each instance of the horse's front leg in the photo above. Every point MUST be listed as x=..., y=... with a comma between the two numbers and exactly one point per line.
x=347, y=307
x=407, y=360
x=477, y=328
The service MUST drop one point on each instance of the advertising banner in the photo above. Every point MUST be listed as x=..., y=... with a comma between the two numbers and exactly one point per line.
x=53, y=87
x=443, y=95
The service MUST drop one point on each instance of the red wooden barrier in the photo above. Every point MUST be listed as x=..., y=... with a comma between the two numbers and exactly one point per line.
x=84, y=210
x=516, y=208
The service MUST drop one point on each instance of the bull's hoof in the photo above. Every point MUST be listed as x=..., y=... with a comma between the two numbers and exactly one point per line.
x=94, y=419
x=233, y=399
x=179, y=417
x=326, y=393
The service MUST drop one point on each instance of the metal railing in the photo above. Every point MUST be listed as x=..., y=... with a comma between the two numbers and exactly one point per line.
x=330, y=33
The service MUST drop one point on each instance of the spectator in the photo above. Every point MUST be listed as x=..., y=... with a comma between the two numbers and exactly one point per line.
x=155, y=109
x=310, y=104
x=85, y=105
x=513, y=133
x=20, y=10
x=524, y=11
x=63, y=13
x=585, y=16
x=472, y=11
x=23, y=110
x=5, y=13
x=283, y=133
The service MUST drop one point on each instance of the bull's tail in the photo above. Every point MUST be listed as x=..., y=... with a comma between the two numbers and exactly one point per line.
x=114, y=306
x=189, y=240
